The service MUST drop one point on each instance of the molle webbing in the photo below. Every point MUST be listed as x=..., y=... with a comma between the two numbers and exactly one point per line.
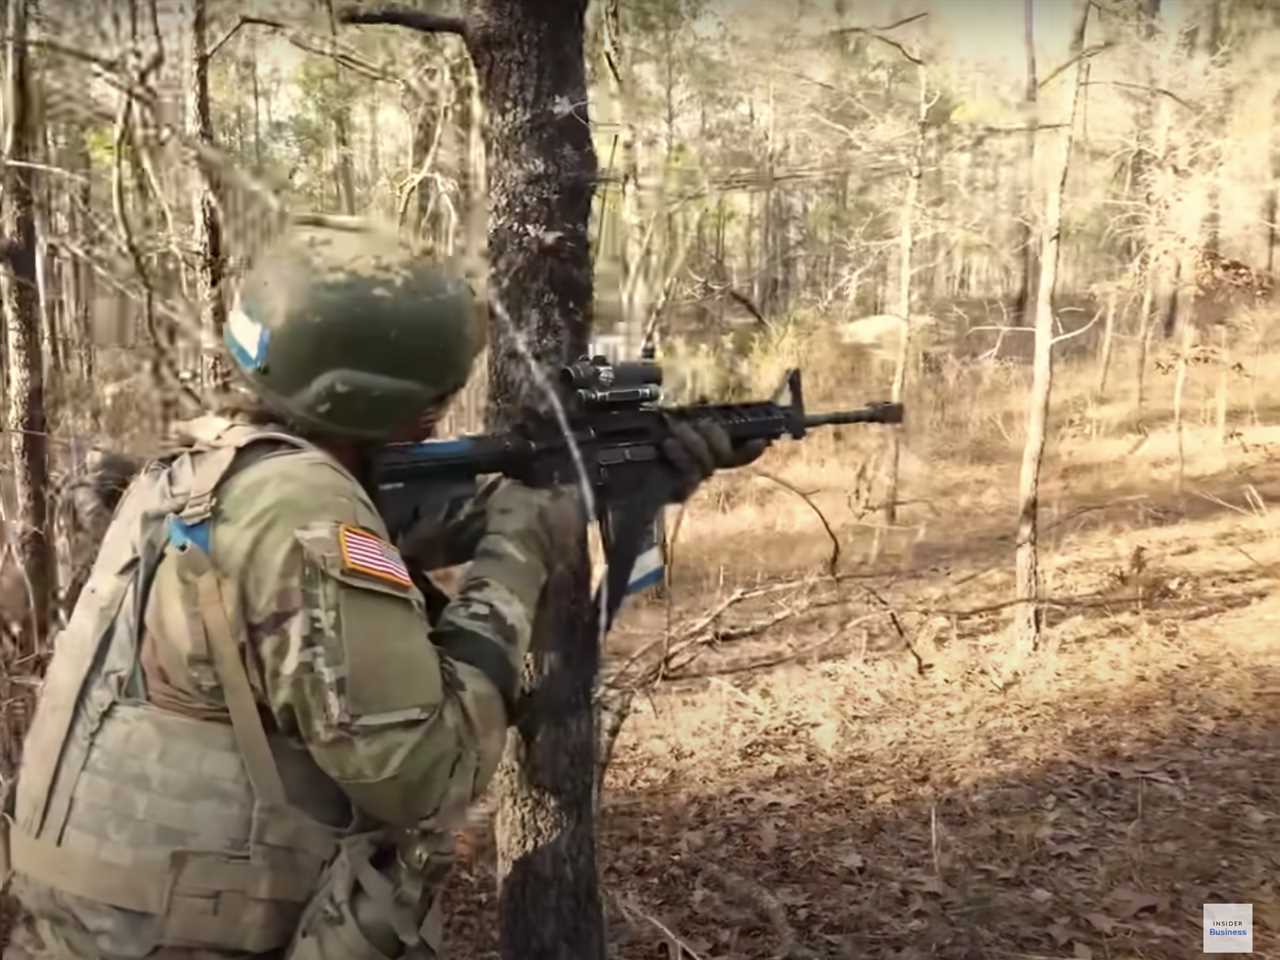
x=236, y=878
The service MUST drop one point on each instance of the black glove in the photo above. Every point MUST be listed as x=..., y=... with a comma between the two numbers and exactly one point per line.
x=698, y=448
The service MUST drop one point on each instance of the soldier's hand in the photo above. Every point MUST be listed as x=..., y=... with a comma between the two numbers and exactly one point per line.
x=698, y=448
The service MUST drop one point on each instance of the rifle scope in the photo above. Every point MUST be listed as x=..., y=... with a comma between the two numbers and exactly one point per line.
x=595, y=380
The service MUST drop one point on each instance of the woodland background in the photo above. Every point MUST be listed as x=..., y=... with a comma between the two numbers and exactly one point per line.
x=999, y=682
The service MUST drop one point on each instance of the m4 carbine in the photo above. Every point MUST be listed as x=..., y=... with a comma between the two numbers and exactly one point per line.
x=617, y=426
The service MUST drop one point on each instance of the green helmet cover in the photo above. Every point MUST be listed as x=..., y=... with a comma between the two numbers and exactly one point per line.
x=346, y=331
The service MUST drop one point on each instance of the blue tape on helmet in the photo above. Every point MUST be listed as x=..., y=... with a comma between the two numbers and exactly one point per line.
x=246, y=338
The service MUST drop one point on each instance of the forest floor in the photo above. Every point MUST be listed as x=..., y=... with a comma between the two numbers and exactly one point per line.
x=853, y=767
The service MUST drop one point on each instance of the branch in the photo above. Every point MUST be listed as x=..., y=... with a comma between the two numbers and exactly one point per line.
x=397, y=16
x=242, y=22
x=1082, y=55
x=921, y=667
x=834, y=562
x=897, y=46
x=903, y=22
x=874, y=33
x=1141, y=86
x=889, y=26
x=321, y=47
x=1076, y=332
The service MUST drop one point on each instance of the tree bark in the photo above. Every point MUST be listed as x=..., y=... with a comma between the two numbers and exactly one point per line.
x=541, y=169
x=1029, y=621
x=207, y=238
x=25, y=413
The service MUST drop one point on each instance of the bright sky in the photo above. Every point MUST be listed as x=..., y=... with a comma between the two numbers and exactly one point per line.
x=987, y=31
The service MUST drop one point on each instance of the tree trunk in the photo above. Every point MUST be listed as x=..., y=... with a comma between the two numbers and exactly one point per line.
x=1216, y=48
x=25, y=413
x=207, y=239
x=46, y=296
x=257, y=104
x=344, y=177
x=424, y=127
x=1159, y=265
x=375, y=155
x=1108, y=342
x=906, y=246
x=475, y=186
x=542, y=169
x=1029, y=620
x=635, y=215
x=1179, y=393
x=1272, y=203
x=1027, y=294
x=1224, y=381
x=81, y=205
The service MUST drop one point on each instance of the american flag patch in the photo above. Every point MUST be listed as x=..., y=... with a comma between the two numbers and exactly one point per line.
x=362, y=552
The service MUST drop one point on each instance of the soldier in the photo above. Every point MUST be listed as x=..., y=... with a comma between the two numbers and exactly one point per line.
x=245, y=743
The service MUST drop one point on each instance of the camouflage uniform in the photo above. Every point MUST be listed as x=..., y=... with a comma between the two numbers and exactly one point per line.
x=251, y=738
x=399, y=735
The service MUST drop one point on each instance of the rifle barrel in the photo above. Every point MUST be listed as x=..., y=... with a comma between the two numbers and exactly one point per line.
x=875, y=413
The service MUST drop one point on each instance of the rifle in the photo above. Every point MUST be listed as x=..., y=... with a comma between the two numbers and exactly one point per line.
x=617, y=425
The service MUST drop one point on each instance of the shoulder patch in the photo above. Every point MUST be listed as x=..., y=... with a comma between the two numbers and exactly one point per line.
x=370, y=555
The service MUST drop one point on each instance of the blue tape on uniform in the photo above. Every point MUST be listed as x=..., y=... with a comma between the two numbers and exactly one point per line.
x=183, y=535
x=441, y=448
x=646, y=571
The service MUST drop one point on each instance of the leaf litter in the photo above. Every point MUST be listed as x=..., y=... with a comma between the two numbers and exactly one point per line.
x=850, y=806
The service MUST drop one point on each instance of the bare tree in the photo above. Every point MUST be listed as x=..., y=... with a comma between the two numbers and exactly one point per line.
x=25, y=413
x=541, y=170
x=906, y=246
x=1029, y=620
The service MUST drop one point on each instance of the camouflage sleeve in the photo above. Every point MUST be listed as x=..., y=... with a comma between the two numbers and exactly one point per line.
x=489, y=622
x=338, y=644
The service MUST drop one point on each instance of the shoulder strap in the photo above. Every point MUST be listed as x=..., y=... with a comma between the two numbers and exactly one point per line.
x=246, y=722
x=221, y=458
x=226, y=448
x=233, y=449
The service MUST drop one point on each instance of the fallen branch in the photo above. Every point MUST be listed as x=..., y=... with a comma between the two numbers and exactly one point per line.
x=631, y=908
x=921, y=667
x=765, y=664
x=790, y=947
x=834, y=562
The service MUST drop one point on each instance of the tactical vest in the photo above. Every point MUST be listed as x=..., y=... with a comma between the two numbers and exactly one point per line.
x=209, y=835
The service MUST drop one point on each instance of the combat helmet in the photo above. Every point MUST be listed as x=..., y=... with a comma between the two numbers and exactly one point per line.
x=346, y=331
